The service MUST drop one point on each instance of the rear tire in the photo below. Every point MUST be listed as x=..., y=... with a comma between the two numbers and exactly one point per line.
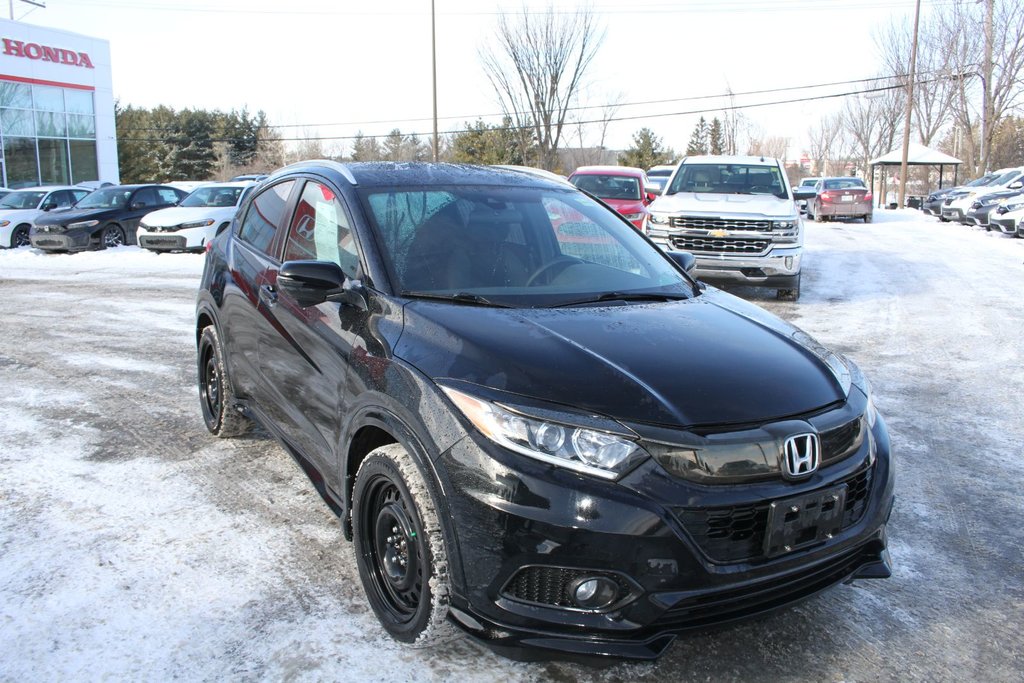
x=400, y=548
x=868, y=218
x=216, y=397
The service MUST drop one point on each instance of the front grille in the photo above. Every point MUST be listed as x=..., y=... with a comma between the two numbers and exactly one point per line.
x=163, y=242
x=550, y=585
x=720, y=245
x=48, y=243
x=721, y=606
x=734, y=534
x=701, y=223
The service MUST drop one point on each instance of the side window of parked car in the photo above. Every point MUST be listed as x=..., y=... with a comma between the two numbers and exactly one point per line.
x=167, y=195
x=147, y=196
x=320, y=230
x=264, y=215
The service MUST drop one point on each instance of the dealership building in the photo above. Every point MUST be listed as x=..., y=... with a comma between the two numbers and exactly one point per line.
x=56, y=107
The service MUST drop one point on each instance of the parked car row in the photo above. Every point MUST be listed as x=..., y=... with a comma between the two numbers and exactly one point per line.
x=158, y=217
x=992, y=201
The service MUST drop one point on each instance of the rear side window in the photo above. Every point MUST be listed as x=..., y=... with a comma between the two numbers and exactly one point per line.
x=146, y=197
x=320, y=230
x=167, y=195
x=264, y=215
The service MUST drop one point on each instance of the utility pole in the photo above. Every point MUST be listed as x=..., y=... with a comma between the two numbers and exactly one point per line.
x=910, y=108
x=986, y=89
x=433, y=66
x=37, y=3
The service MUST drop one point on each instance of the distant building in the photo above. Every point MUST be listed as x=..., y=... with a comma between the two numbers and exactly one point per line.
x=56, y=107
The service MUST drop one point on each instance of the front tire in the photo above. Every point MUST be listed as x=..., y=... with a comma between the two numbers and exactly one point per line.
x=19, y=238
x=791, y=294
x=400, y=548
x=216, y=397
x=112, y=236
x=868, y=217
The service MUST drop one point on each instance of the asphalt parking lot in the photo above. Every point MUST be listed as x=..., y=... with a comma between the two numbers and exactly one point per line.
x=133, y=545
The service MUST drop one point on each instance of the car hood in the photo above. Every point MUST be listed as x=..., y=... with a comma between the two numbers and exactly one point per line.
x=625, y=205
x=723, y=204
x=72, y=215
x=19, y=215
x=709, y=360
x=176, y=215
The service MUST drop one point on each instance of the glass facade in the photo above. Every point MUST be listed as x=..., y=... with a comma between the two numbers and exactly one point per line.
x=48, y=134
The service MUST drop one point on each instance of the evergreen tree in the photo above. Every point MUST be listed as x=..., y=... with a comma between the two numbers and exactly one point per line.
x=699, y=139
x=646, y=151
x=365, y=149
x=716, y=137
x=482, y=143
x=192, y=156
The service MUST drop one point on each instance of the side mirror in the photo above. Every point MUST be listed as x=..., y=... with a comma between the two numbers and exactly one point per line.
x=684, y=260
x=314, y=282
x=800, y=193
x=48, y=206
x=652, y=192
x=1015, y=185
x=138, y=205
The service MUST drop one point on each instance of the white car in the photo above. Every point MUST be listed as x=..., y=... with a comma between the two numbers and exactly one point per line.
x=955, y=207
x=1007, y=218
x=19, y=208
x=194, y=222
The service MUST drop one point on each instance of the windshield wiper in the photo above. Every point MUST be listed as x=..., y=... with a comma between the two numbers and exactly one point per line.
x=624, y=296
x=458, y=297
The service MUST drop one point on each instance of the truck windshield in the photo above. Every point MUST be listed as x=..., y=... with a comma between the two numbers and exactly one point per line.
x=729, y=179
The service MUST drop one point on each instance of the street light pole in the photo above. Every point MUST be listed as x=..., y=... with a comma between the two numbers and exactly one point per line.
x=433, y=66
x=910, y=109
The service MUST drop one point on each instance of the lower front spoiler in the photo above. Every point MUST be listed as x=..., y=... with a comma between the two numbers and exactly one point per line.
x=688, y=612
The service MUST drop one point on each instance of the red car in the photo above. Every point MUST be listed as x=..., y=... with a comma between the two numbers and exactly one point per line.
x=624, y=188
x=845, y=197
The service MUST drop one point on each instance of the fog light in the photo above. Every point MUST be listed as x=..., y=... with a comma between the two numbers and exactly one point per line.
x=594, y=592
x=789, y=263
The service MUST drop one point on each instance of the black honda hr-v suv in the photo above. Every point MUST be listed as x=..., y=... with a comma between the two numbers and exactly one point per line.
x=533, y=424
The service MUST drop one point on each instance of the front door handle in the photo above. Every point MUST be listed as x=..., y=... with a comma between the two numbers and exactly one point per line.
x=268, y=295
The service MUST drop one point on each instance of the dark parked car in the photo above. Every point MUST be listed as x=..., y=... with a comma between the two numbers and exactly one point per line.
x=982, y=210
x=933, y=203
x=108, y=217
x=535, y=426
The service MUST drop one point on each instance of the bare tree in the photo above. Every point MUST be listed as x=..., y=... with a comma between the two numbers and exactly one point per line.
x=872, y=121
x=537, y=65
x=761, y=144
x=732, y=121
x=823, y=142
x=588, y=151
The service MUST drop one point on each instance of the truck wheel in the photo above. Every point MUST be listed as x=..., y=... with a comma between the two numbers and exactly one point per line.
x=868, y=218
x=790, y=294
x=400, y=548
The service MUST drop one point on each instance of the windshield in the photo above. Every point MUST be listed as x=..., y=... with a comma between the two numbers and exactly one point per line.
x=1005, y=178
x=109, y=198
x=608, y=186
x=809, y=182
x=983, y=180
x=514, y=246
x=213, y=197
x=729, y=179
x=22, y=200
x=663, y=172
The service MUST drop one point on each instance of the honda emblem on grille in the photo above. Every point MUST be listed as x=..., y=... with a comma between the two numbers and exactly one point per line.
x=801, y=455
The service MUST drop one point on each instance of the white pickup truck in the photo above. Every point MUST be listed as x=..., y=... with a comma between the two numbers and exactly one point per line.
x=738, y=216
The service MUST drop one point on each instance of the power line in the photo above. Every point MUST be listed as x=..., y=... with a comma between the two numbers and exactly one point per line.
x=692, y=98
x=619, y=118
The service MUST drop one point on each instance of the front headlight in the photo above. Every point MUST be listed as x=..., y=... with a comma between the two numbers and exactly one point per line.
x=4, y=224
x=83, y=224
x=783, y=225
x=591, y=451
x=658, y=218
x=197, y=224
x=633, y=216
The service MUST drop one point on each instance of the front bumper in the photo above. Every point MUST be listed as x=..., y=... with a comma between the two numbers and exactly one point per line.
x=188, y=239
x=1007, y=226
x=952, y=214
x=778, y=268
x=512, y=515
x=69, y=240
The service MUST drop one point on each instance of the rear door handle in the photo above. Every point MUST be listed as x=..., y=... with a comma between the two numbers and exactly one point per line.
x=268, y=295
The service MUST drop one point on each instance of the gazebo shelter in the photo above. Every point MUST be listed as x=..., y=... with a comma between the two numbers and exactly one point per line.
x=918, y=155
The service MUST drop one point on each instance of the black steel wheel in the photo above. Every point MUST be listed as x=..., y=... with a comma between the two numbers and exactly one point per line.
x=20, y=237
x=215, y=395
x=400, y=548
x=112, y=236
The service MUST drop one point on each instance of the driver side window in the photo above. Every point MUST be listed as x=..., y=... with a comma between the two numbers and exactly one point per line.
x=320, y=230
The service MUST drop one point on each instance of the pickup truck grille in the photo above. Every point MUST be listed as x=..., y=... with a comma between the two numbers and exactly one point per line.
x=701, y=223
x=720, y=245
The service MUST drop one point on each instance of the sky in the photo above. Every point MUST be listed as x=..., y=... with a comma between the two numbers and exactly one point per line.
x=332, y=68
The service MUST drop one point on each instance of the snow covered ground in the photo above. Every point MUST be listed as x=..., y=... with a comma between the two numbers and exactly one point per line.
x=135, y=546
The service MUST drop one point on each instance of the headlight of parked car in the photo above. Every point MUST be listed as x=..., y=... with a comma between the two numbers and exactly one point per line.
x=658, y=218
x=4, y=224
x=83, y=224
x=574, y=447
x=633, y=216
x=197, y=224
